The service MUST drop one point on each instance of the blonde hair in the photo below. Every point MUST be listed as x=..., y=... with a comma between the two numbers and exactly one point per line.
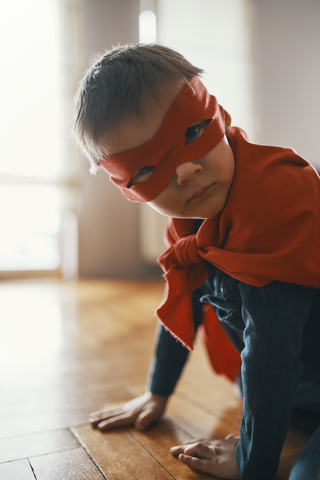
x=119, y=86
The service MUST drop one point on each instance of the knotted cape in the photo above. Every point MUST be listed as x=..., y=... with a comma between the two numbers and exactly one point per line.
x=269, y=229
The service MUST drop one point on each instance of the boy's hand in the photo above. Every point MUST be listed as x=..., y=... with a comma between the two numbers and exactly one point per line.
x=140, y=411
x=217, y=457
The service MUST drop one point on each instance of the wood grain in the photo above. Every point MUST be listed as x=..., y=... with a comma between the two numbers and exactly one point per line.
x=158, y=442
x=70, y=347
x=119, y=455
x=14, y=448
x=285, y=467
x=56, y=407
x=16, y=470
x=199, y=423
x=69, y=465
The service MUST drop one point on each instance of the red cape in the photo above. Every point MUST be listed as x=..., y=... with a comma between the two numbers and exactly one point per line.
x=268, y=230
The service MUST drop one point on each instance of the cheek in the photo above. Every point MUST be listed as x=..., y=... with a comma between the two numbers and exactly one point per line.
x=165, y=203
x=159, y=210
x=231, y=170
x=229, y=164
x=160, y=207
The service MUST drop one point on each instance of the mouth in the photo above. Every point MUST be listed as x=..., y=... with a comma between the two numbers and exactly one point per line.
x=201, y=193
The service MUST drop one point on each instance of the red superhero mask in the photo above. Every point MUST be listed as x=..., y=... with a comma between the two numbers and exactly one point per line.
x=167, y=149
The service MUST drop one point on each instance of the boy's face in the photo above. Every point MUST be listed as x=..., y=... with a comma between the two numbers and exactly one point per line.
x=198, y=188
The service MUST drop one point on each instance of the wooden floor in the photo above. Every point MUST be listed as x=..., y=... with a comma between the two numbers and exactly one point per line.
x=66, y=349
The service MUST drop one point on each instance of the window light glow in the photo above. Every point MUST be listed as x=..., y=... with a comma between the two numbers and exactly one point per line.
x=31, y=134
x=147, y=27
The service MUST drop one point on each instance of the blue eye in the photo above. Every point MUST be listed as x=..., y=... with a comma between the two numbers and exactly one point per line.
x=195, y=131
x=145, y=170
x=192, y=132
x=142, y=175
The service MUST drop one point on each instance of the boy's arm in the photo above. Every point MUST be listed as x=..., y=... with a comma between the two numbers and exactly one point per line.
x=170, y=358
x=274, y=317
x=170, y=355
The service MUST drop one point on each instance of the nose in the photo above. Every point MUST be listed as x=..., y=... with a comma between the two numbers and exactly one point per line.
x=187, y=171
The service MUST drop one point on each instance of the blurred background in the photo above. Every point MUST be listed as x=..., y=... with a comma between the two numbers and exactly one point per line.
x=261, y=60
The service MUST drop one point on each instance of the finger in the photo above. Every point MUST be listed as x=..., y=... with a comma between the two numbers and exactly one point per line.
x=232, y=436
x=180, y=448
x=145, y=419
x=194, y=449
x=96, y=420
x=105, y=414
x=201, y=464
x=116, y=422
x=177, y=450
x=198, y=449
x=104, y=410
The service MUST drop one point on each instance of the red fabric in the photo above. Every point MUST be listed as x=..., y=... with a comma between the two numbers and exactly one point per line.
x=268, y=230
x=167, y=149
x=224, y=357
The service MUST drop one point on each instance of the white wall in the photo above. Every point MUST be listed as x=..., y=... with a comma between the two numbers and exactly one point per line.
x=286, y=42
x=214, y=35
x=108, y=223
x=284, y=83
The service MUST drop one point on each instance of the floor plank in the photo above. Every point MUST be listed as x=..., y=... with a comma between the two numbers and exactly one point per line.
x=25, y=446
x=285, y=467
x=217, y=398
x=69, y=347
x=19, y=470
x=68, y=465
x=199, y=423
x=158, y=442
x=119, y=456
x=55, y=408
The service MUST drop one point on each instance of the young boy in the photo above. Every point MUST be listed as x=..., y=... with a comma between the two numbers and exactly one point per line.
x=244, y=234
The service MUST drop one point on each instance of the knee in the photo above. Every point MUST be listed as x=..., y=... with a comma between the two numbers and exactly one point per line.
x=303, y=470
x=307, y=464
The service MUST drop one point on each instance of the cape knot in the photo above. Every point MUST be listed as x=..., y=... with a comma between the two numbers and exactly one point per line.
x=186, y=251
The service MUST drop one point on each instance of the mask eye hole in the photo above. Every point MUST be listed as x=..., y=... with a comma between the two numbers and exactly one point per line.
x=141, y=175
x=195, y=131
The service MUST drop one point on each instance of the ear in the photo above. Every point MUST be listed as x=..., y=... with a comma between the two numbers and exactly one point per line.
x=227, y=121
